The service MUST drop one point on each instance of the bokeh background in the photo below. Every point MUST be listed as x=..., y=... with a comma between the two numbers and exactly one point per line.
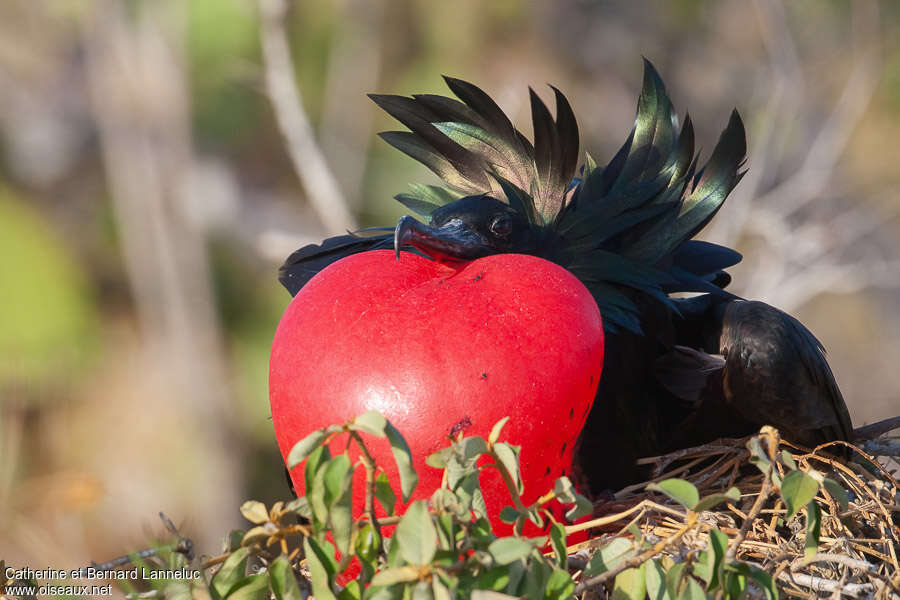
x=160, y=158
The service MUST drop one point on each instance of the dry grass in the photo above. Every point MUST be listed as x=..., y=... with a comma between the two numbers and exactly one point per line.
x=857, y=556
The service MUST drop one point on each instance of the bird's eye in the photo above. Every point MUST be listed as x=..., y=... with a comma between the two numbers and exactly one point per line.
x=501, y=226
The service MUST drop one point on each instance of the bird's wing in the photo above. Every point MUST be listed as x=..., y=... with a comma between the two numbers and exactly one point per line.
x=687, y=373
x=776, y=370
x=304, y=263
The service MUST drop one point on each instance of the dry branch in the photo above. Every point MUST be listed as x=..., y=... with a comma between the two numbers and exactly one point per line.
x=318, y=181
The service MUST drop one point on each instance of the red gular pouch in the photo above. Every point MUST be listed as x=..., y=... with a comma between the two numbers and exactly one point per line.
x=441, y=350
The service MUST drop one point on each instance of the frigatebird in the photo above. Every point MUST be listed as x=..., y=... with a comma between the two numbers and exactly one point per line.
x=678, y=371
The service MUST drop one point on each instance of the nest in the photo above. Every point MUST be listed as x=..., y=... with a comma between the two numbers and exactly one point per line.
x=857, y=554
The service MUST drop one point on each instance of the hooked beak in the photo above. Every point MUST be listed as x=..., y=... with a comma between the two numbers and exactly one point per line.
x=453, y=241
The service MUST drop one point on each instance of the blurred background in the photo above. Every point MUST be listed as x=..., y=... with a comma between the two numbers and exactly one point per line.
x=159, y=159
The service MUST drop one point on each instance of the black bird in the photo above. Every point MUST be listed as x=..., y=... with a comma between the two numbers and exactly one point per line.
x=677, y=372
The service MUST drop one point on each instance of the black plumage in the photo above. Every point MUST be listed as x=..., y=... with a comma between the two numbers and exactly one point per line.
x=677, y=372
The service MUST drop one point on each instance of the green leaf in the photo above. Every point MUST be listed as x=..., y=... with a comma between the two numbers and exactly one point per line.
x=836, y=491
x=446, y=531
x=416, y=535
x=254, y=587
x=583, y=507
x=758, y=455
x=461, y=464
x=395, y=575
x=634, y=530
x=564, y=490
x=491, y=595
x=300, y=506
x=336, y=475
x=536, y=575
x=496, y=429
x=385, y=593
x=508, y=456
x=368, y=545
x=439, y=590
x=679, y=490
x=315, y=489
x=509, y=549
x=304, y=447
x=609, y=557
x=496, y=578
x=284, y=583
x=481, y=532
x=692, y=591
x=233, y=570
x=422, y=591
x=442, y=500
x=762, y=578
x=516, y=572
x=718, y=547
x=340, y=517
x=674, y=577
x=655, y=580
x=709, y=565
x=565, y=493
x=732, y=495
x=813, y=528
x=393, y=553
x=534, y=515
x=439, y=459
x=558, y=541
x=370, y=421
x=560, y=586
x=321, y=568
x=173, y=589
x=337, y=499
x=384, y=493
x=734, y=585
x=403, y=458
x=465, y=490
x=353, y=591
x=797, y=489
x=478, y=505
x=631, y=584
x=257, y=534
x=509, y=514
x=470, y=448
x=254, y=511
x=232, y=541
x=788, y=460
x=702, y=568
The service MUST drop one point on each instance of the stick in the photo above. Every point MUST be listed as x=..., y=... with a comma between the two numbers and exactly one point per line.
x=317, y=179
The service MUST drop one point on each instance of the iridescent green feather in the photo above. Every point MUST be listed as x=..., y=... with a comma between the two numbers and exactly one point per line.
x=627, y=225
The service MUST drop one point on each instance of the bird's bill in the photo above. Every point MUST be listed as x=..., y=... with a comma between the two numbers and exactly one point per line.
x=451, y=242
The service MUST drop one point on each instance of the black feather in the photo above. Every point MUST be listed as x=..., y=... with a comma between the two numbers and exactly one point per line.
x=702, y=258
x=495, y=119
x=304, y=263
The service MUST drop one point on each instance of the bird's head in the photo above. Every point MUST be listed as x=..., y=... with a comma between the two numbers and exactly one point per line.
x=467, y=229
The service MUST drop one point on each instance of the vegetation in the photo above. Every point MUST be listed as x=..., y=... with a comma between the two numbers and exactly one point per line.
x=799, y=529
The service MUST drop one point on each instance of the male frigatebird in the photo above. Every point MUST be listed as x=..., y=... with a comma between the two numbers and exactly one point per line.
x=677, y=372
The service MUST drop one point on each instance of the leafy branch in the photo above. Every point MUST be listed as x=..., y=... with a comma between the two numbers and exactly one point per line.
x=444, y=548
